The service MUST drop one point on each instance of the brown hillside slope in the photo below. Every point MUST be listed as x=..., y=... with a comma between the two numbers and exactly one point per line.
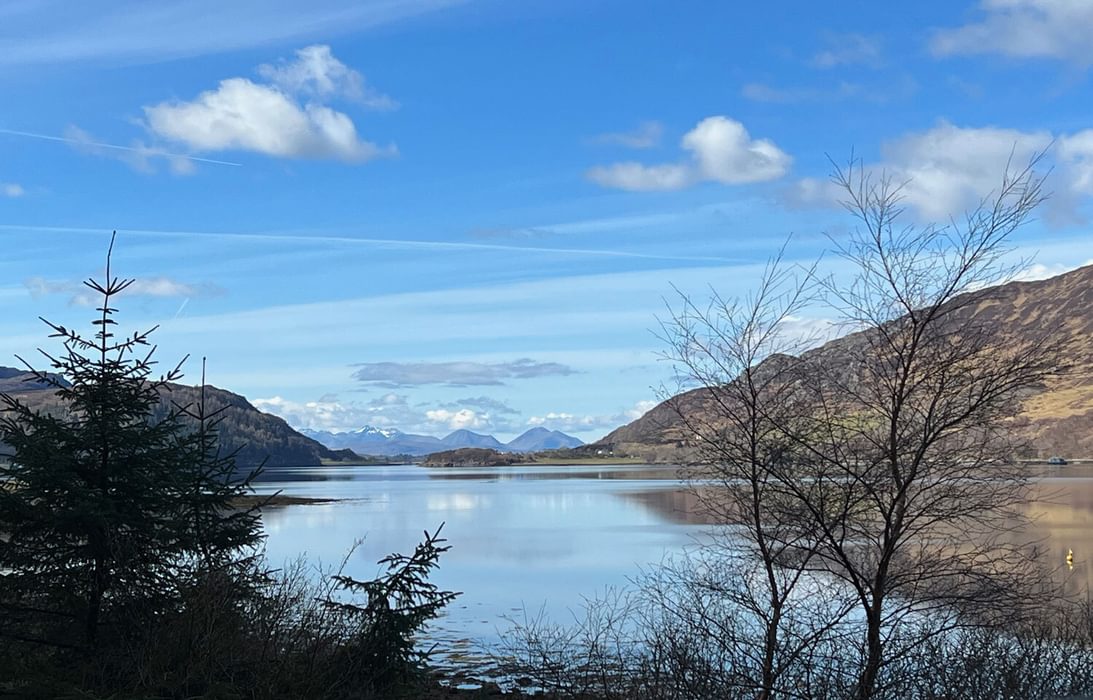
x=255, y=434
x=1056, y=419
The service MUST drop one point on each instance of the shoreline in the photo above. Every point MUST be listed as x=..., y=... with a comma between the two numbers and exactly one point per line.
x=280, y=499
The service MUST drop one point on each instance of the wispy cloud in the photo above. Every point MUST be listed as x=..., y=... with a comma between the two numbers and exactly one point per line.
x=1054, y=29
x=761, y=92
x=378, y=242
x=645, y=135
x=522, y=234
x=578, y=423
x=599, y=225
x=11, y=189
x=848, y=50
x=80, y=295
x=720, y=150
x=287, y=117
x=486, y=404
x=103, y=30
x=315, y=73
x=876, y=92
x=403, y=374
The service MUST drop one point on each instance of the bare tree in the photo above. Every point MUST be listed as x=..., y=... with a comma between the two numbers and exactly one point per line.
x=741, y=428
x=879, y=462
x=907, y=471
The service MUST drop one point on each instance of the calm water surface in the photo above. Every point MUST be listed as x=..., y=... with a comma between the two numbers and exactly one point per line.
x=532, y=538
x=523, y=538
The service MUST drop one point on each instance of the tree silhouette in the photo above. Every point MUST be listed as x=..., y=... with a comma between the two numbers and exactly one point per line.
x=882, y=463
x=108, y=505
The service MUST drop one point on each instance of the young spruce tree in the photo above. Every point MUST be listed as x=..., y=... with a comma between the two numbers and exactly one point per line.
x=109, y=506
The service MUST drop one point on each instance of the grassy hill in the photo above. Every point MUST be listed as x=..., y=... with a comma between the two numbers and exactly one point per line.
x=1055, y=418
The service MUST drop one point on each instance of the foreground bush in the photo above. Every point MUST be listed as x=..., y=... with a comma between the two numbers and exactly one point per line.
x=677, y=636
x=255, y=633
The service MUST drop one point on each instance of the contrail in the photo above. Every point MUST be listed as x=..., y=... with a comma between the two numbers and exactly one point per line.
x=181, y=307
x=131, y=149
x=381, y=242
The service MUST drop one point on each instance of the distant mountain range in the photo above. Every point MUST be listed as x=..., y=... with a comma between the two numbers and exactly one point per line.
x=257, y=435
x=385, y=442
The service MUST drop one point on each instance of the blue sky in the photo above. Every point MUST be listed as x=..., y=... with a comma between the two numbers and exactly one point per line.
x=437, y=214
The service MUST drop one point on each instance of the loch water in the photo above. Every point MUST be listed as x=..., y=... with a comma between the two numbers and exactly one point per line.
x=539, y=540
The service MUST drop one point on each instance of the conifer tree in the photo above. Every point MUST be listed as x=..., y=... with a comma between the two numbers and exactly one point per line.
x=108, y=505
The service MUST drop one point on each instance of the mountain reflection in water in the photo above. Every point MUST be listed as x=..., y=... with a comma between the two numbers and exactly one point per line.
x=1061, y=509
x=531, y=537
x=522, y=537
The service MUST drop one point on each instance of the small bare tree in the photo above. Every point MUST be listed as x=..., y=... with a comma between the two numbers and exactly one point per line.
x=741, y=428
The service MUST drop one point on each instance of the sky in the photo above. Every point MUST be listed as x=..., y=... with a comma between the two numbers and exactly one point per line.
x=441, y=214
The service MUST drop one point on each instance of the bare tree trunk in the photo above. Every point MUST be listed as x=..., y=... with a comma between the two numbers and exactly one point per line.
x=874, y=652
x=770, y=650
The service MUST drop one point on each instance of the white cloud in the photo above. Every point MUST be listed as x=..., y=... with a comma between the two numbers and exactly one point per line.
x=947, y=169
x=575, y=423
x=389, y=411
x=802, y=332
x=640, y=409
x=646, y=135
x=395, y=411
x=1058, y=29
x=11, y=189
x=316, y=415
x=1037, y=271
x=464, y=418
x=951, y=169
x=328, y=413
x=726, y=153
x=316, y=73
x=848, y=49
x=241, y=115
x=139, y=155
x=1076, y=152
x=1041, y=271
x=269, y=118
x=720, y=150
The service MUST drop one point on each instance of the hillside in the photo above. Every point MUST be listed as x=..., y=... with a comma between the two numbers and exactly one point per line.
x=467, y=438
x=1057, y=418
x=257, y=435
x=539, y=439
